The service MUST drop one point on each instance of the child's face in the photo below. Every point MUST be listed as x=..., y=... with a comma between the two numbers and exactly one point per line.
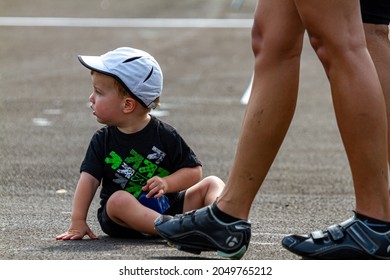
x=106, y=102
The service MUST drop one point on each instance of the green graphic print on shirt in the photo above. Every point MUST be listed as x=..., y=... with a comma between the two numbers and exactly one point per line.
x=134, y=171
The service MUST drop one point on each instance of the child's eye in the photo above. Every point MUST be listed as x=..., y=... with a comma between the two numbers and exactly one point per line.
x=98, y=92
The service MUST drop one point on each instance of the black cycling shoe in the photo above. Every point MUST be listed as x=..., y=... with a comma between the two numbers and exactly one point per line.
x=200, y=230
x=350, y=240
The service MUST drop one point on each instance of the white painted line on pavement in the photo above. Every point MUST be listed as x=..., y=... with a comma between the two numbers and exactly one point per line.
x=264, y=243
x=126, y=22
x=41, y=122
x=131, y=23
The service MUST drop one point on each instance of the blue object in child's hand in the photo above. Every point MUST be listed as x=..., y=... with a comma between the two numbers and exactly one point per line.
x=159, y=205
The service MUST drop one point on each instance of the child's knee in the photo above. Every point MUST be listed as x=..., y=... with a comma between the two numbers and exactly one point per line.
x=119, y=200
x=214, y=182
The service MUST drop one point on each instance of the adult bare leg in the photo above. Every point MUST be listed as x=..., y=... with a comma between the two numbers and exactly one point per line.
x=339, y=41
x=377, y=38
x=277, y=38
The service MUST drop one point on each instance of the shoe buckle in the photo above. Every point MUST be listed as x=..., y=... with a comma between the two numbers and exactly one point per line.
x=316, y=235
x=336, y=232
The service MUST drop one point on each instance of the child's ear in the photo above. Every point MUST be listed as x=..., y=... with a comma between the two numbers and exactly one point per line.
x=129, y=105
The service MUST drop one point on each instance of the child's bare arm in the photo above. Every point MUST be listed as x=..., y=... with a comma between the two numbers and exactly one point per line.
x=180, y=180
x=85, y=191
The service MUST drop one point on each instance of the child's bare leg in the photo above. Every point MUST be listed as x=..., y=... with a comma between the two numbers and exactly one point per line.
x=205, y=192
x=125, y=210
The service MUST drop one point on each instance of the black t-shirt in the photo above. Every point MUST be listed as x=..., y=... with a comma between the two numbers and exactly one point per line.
x=126, y=161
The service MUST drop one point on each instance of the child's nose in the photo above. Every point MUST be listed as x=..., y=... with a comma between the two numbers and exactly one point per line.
x=91, y=98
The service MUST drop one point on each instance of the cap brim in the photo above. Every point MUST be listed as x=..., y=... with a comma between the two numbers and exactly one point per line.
x=94, y=63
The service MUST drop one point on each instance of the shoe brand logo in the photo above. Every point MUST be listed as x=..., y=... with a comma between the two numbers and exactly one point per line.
x=231, y=241
x=374, y=225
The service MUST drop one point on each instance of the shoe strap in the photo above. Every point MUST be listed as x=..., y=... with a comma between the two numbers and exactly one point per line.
x=317, y=235
x=360, y=236
x=336, y=231
x=354, y=229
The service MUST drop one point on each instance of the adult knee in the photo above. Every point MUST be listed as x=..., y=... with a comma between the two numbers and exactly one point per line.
x=336, y=49
x=267, y=44
x=321, y=49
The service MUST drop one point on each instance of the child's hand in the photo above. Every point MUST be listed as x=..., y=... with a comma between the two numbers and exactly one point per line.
x=77, y=231
x=156, y=186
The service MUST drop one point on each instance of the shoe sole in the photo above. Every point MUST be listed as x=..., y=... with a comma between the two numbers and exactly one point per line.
x=198, y=250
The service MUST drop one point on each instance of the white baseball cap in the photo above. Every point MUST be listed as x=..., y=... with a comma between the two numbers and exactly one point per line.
x=135, y=69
